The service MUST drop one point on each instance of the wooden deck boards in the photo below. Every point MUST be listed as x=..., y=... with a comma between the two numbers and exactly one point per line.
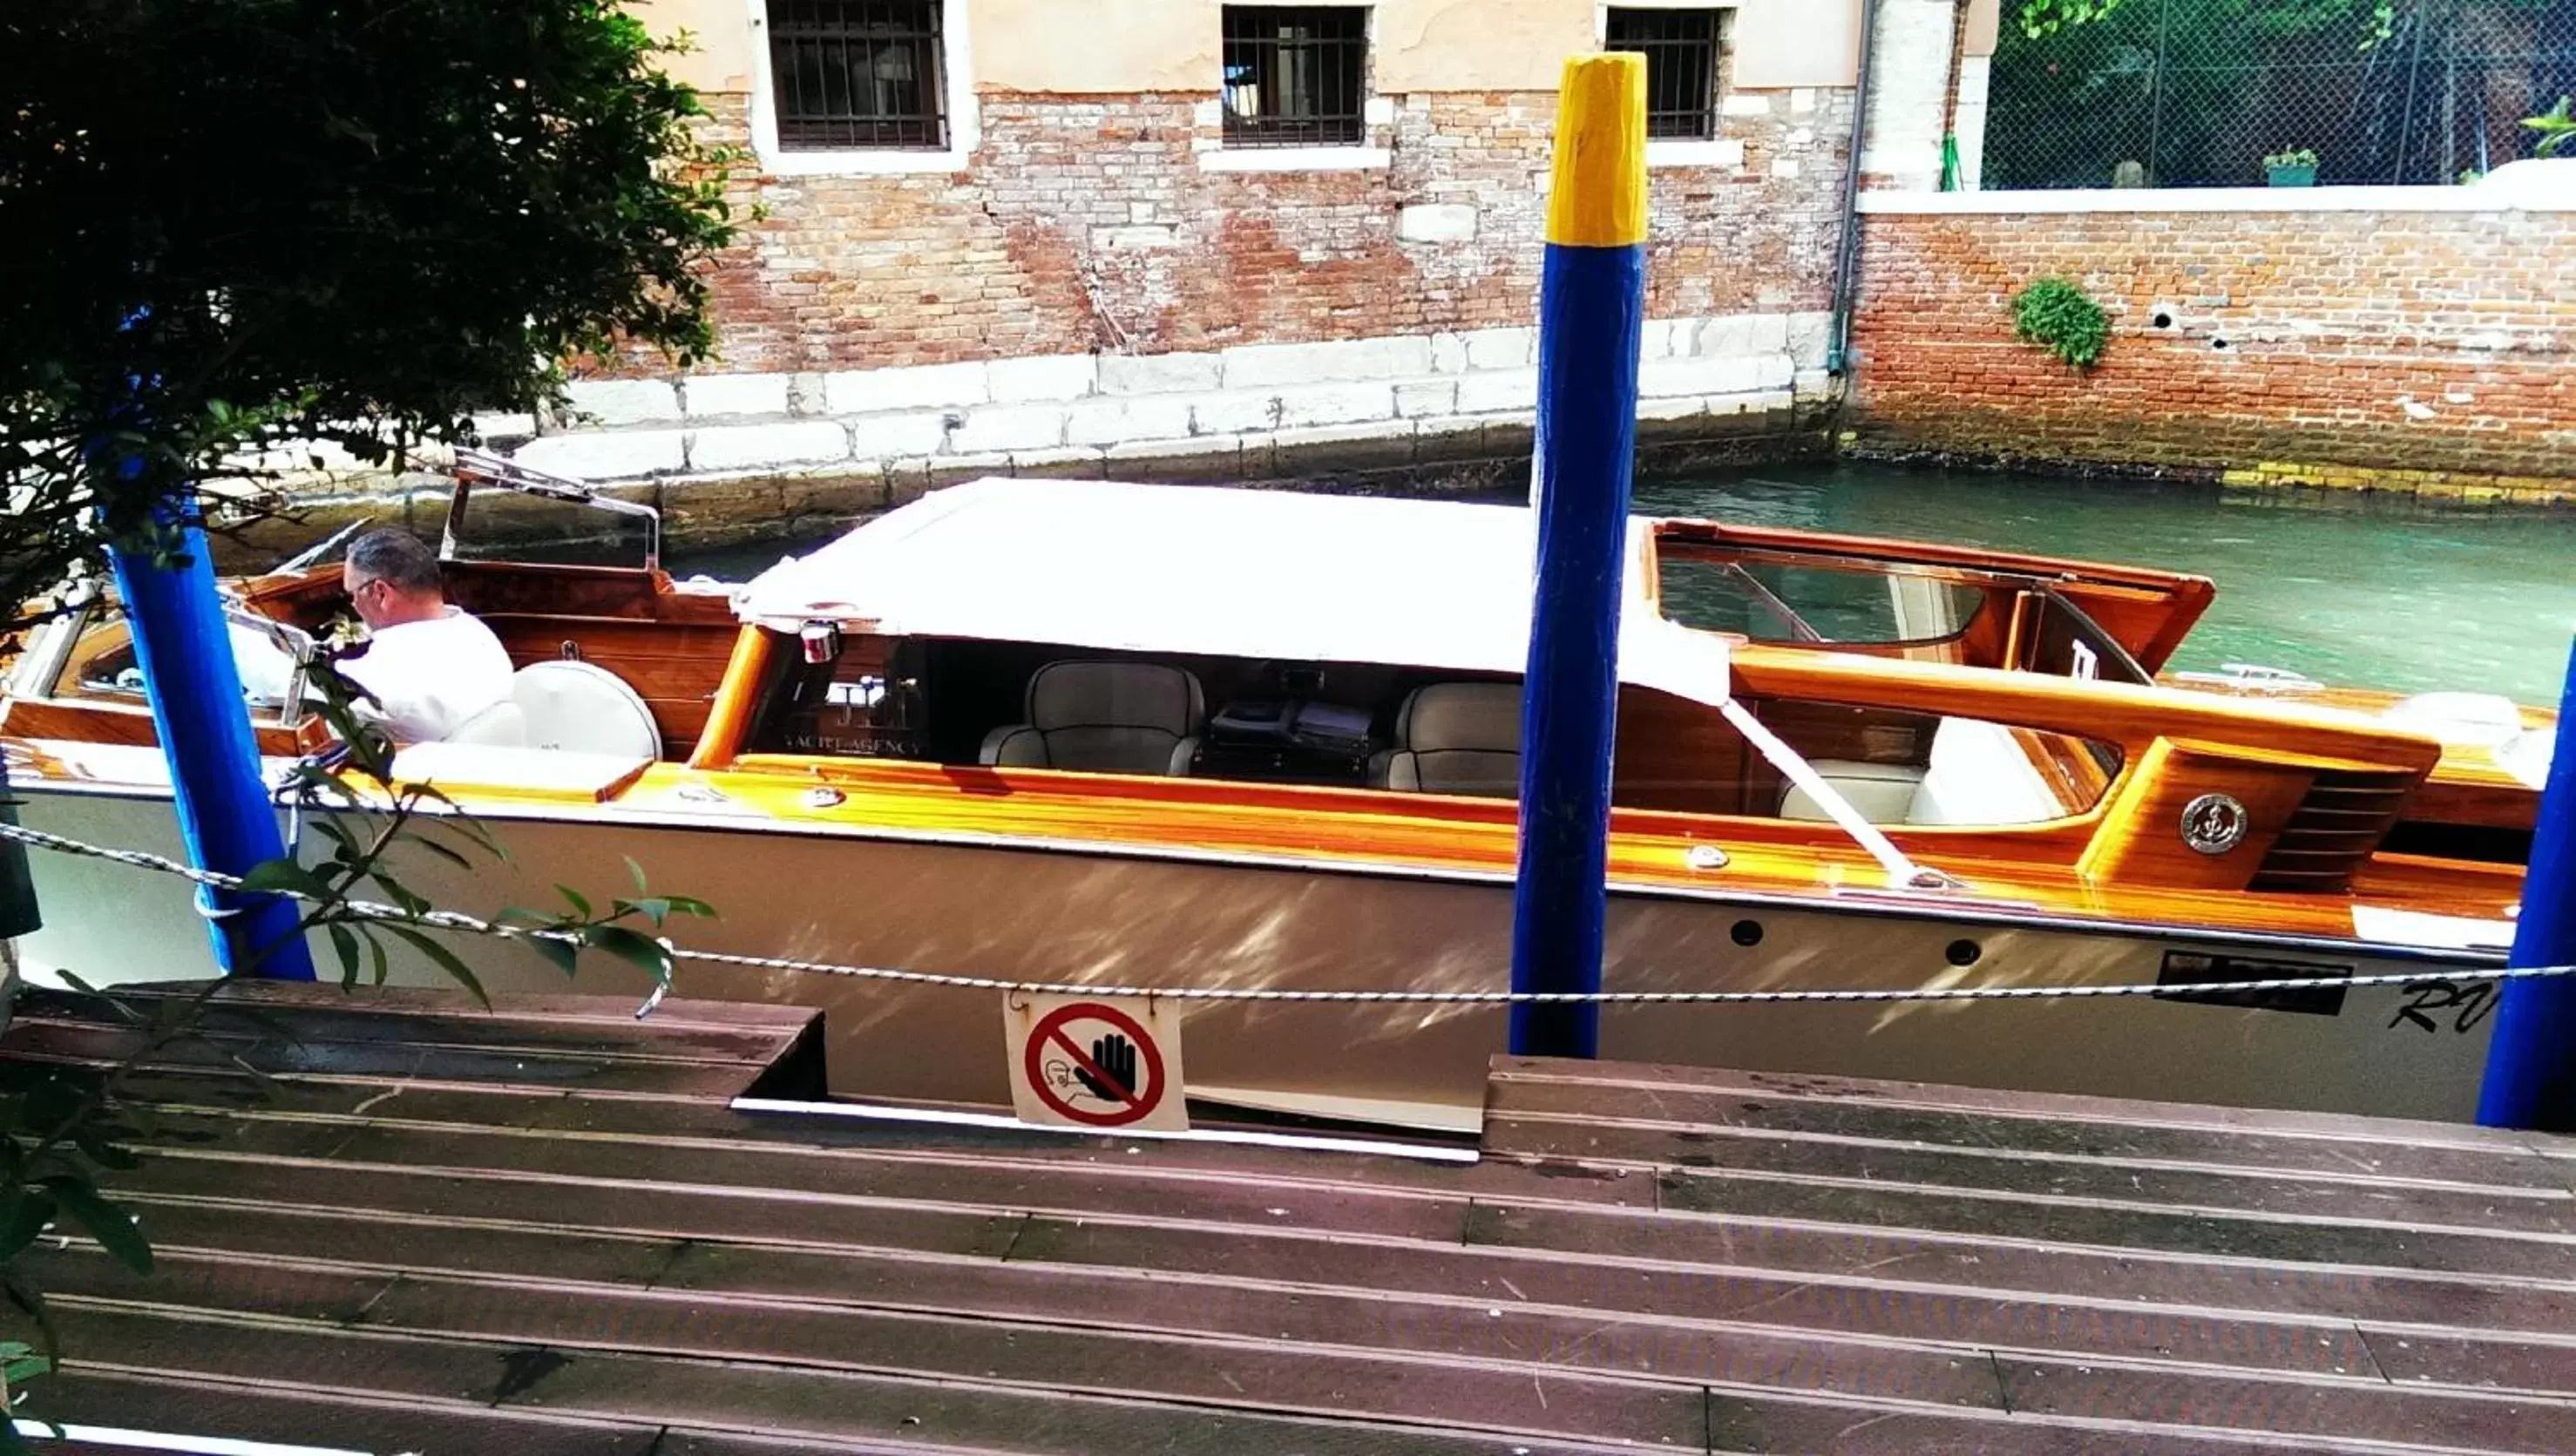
x=543, y=1230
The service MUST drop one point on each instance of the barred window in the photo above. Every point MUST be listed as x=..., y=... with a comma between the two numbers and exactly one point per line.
x=1682, y=49
x=858, y=74
x=1295, y=75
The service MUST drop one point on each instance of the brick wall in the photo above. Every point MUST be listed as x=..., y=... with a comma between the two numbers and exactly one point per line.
x=2388, y=339
x=1090, y=223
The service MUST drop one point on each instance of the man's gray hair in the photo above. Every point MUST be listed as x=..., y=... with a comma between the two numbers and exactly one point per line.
x=397, y=556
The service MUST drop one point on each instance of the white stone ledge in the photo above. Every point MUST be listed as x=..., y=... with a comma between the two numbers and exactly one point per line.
x=920, y=386
x=1065, y=410
x=1158, y=373
x=1348, y=361
x=1174, y=448
x=746, y=447
x=1501, y=389
x=888, y=436
x=1040, y=378
x=1296, y=159
x=608, y=454
x=624, y=401
x=1007, y=427
x=2204, y=199
x=734, y=394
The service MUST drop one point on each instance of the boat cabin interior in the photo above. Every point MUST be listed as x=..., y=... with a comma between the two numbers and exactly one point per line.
x=1370, y=725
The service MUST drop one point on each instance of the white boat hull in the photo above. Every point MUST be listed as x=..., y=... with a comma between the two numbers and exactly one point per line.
x=1061, y=914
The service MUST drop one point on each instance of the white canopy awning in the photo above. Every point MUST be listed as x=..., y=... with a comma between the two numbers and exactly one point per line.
x=1180, y=569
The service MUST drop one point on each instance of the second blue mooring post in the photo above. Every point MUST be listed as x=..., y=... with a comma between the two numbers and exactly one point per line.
x=1591, y=319
x=2531, y=1064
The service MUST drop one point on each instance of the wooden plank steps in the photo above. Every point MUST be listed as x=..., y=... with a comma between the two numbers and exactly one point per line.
x=542, y=1228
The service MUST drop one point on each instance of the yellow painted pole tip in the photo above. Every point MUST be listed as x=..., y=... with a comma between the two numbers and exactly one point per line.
x=1598, y=197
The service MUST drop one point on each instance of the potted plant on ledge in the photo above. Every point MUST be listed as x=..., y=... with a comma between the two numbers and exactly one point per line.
x=2296, y=168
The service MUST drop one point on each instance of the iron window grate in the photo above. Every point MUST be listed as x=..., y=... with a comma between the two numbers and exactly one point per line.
x=1682, y=49
x=1295, y=75
x=858, y=74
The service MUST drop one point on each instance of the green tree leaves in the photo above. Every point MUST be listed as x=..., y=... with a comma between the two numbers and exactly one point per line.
x=2555, y=126
x=233, y=224
x=358, y=222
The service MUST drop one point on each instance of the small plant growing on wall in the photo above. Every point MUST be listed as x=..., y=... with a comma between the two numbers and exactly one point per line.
x=2061, y=318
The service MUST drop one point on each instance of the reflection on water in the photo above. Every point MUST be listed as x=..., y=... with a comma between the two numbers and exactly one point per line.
x=2362, y=594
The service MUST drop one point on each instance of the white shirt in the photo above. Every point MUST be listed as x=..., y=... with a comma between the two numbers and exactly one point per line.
x=432, y=675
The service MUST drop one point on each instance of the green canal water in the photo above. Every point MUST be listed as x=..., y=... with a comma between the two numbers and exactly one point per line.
x=2363, y=595
x=2357, y=594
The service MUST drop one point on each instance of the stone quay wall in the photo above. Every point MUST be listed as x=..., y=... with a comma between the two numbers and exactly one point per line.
x=1104, y=288
x=2414, y=339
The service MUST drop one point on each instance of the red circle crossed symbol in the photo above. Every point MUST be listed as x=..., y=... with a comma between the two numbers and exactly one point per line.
x=1134, y=1105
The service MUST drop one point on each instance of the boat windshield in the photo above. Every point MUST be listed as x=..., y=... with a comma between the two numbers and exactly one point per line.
x=98, y=658
x=103, y=664
x=1817, y=604
x=1969, y=615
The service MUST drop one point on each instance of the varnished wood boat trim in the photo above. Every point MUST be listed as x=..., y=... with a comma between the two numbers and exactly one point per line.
x=737, y=699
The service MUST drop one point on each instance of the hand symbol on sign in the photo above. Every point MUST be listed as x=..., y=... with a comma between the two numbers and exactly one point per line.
x=1115, y=1056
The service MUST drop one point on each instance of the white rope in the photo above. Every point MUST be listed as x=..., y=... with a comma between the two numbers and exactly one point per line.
x=1902, y=872
x=1696, y=666
x=468, y=924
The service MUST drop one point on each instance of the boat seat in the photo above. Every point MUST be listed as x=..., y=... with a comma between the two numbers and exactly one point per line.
x=1882, y=793
x=502, y=725
x=1978, y=775
x=1455, y=738
x=1105, y=717
x=584, y=708
x=1981, y=774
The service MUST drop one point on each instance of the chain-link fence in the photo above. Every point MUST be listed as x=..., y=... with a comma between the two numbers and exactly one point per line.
x=2197, y=93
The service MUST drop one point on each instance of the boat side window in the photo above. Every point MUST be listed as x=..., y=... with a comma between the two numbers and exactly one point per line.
x=1895, y=766
x=103, y=665
x=2068, y=643
x=863, y=701
x=1813, y=603
x=1928, y=770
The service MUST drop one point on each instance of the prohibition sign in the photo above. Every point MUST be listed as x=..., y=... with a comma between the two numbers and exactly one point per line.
x=1135, y=1105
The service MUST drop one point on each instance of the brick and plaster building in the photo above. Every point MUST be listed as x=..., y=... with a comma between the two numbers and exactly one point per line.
x=1160, y=237
x=2414, y=339
x=1193, y=239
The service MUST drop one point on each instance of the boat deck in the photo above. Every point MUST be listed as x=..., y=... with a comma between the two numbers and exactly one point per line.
x=545, y=1230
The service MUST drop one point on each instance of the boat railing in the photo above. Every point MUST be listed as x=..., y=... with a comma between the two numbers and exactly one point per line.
x=480, y=467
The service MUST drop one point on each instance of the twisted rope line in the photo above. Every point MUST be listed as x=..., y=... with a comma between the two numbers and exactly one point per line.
x=472, y=925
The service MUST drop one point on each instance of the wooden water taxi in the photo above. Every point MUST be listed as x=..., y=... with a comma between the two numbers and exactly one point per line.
x=1101, y=733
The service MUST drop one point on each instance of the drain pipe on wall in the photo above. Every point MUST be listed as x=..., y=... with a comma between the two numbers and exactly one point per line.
x=1847, y=265
x=1950, y=180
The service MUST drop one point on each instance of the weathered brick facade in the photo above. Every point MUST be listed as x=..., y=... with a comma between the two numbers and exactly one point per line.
x=2386, y=339
x=1089, y=223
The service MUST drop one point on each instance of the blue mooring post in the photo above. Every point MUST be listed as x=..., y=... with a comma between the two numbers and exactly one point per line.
x=1591, y=318
x=2531, y=1064
x=226, y=818
x=185, y=652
